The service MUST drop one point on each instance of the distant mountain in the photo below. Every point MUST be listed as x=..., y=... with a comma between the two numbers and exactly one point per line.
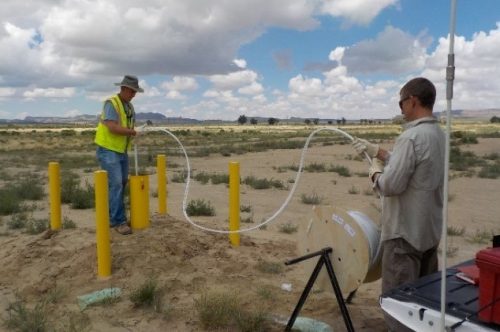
x=79, y=119
x=87, y=119
x=472, y=114
x=157, y=118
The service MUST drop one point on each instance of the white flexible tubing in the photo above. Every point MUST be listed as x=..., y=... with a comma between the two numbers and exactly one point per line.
x=135, y=160
x=287, y=200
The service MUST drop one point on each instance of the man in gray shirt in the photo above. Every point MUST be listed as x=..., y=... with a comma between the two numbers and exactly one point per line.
x=410, y=180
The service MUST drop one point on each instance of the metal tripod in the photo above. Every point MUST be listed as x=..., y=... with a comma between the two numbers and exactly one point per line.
x=324, y=259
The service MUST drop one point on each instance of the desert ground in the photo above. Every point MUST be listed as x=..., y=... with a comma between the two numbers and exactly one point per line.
x=42, y=274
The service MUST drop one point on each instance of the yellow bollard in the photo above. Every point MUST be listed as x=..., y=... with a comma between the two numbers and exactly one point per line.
x=139, y=201
x=102, y=224
x=55, y=196
x=161, y=169
x=234, y=202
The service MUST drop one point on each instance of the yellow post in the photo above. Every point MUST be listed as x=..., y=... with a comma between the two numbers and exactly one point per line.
x=55, y=195
x=234, y=202
x=161, y=169
x=139, y=201
x=102, y=224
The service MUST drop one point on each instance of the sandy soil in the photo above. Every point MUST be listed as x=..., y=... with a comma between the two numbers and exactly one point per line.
x=188, y=261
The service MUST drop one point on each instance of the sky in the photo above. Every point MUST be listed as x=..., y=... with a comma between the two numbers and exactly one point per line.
x=219, y=59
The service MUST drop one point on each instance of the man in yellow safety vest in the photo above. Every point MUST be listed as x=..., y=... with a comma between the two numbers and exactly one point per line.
x=115, y=128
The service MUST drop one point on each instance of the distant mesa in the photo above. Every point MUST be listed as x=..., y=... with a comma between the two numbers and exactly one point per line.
x=160, y=119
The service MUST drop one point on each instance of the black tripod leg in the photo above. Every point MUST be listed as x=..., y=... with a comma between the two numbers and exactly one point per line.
x=305, y=293
x=350, y=296
x=338, y=292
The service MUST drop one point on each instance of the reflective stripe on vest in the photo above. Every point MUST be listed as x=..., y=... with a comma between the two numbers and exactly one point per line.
x=105, y=138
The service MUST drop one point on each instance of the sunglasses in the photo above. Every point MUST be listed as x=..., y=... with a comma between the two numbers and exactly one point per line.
x=402, y=101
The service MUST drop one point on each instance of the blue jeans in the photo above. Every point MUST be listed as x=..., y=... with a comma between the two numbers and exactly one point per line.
x=116, y=165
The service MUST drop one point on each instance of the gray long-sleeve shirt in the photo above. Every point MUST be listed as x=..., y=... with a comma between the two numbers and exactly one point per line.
x=412, y=185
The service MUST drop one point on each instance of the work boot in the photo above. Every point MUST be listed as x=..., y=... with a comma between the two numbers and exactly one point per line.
x=123, y=229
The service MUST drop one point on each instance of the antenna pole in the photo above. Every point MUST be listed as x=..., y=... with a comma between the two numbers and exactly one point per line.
x=450, y=76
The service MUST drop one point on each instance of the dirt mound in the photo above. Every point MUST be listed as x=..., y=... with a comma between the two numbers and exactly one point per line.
x=184, y=261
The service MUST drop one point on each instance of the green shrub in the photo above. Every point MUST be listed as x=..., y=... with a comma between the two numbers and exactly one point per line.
x=68, y=223
x=315, y=168
x=462, y=161
x=179, y=177
x=245, y=208
x=252, y=321
x=68, y=132
x=148, y=295
x=466, y=138
x=200, y=208
x=492, y=156
x=36, y=226
x=83, y=198
x=340, y=170
x=490, y=171
x=257, y=183
x=247, y=220
x=13, y=194
x=313, y=199
x=269, y=267
x=219, y=178
x=21, y=318
x=216, y=310
x=202, y=177
x=353, y=190
x=288, y=228
x=455, y=231
x=482, y=237
x=17, y=221
x=266, y=292
x=28, y=188
x=10, y=203
x=69, y=184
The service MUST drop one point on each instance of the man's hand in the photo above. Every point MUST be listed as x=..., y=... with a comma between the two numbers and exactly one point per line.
x=140, y=130
x=376, y=168
x=362, y=145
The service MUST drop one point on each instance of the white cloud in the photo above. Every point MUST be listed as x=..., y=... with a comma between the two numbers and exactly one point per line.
x=357, y=11
x=300, y=86
x=476, y=70
x=391, y=52
x=233, y=80
x=58, y=47
x=337, y=54
x=7, y=92
x=260, y=99
x=149, y=91
x=73, y=112
x=181, y=83
x=175, y=95
x=49, y=93
x=79, y=39
x=211, y=93
x=253, y=89
x=241, y=63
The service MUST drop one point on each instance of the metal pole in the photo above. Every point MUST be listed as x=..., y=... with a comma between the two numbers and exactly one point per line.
x=161, y=169
x=450, y=76
x=135, y=160
x=234, y=202
x=55, y=195
x=102, y=224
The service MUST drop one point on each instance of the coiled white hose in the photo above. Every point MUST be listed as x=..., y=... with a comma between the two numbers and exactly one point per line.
x=285, y=203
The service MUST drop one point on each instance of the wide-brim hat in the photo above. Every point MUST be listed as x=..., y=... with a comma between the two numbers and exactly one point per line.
x=131, y=82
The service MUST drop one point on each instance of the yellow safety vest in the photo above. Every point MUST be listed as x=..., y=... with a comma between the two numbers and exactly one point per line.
x=105, y=138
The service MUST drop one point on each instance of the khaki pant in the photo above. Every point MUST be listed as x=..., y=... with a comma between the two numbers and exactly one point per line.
x=401, y=264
